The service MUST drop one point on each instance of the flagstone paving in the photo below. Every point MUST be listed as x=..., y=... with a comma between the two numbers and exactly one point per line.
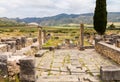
x=71, y=66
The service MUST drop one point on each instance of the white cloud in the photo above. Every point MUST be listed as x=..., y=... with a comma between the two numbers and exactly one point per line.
x=2, y=10
x=41, y=8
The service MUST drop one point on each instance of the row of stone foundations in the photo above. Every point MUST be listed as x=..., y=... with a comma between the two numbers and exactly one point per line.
x=24, y=68
x=13, y=44
x=9, y=58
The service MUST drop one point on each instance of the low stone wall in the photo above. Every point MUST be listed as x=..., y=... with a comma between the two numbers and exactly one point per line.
x=108, y=50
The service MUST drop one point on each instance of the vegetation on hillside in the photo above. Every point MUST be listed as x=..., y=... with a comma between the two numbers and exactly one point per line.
x=62, y=19
x=5, y=22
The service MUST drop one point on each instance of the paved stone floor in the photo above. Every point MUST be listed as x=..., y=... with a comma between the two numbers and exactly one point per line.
x=71, y=66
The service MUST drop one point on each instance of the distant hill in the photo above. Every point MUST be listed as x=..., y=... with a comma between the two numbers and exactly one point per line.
x=69, y=18
x=6, y=22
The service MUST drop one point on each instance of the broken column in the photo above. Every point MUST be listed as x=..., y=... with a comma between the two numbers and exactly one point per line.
x=44, y=36
x=81, y=37
x=23, y=41
x=40, y=37
x=18, y=44
x=27, y=69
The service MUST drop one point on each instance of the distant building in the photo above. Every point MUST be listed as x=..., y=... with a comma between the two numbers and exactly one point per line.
x=33, y=24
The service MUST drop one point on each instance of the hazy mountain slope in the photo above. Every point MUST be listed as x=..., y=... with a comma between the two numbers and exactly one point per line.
x=9, y=22
x=69, y=18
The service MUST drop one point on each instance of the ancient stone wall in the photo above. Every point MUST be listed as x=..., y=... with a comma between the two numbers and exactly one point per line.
x=108, y=50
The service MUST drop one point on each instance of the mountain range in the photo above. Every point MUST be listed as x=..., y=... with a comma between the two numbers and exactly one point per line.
x=67, y=19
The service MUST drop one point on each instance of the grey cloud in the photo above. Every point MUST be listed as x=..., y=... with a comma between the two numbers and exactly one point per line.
x=41, y=8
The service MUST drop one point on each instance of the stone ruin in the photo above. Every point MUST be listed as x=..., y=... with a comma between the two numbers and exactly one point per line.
x=109, y=46
x=12, y=50
x=13, y=59
x=13, y=44
x=112, y=39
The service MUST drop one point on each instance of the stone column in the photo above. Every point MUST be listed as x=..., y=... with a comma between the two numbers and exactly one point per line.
x=40, y=37
x=23, y=41
x=44, y=36
x=27, y=69
x=81, y=37
x=18, y=44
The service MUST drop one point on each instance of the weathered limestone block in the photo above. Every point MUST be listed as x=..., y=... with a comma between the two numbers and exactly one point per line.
x=3, y=47
x=110, y=73
x=117, y=44
x=13, y=69
x=40, y=53
x=29, y=42
x=27, y=69
x=109, y=41
x=11, y=46
x=98, y=39
x=18, y=44
x=34, y=40
x=52, y=48
x=3, y=65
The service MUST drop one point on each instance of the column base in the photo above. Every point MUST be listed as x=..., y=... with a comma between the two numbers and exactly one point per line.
x=81, y=48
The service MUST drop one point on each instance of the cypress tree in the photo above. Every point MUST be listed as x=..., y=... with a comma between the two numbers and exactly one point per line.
x=100, y=17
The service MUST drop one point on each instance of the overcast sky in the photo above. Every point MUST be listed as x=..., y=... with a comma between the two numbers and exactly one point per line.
x=43, y=8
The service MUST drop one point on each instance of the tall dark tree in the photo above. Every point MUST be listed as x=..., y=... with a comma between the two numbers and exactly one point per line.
x=100, y=17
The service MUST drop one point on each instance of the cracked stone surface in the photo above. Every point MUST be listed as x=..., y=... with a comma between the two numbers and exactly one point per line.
x=71, y=66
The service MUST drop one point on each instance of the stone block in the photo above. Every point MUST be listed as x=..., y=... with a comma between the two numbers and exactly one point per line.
x=3, y=58
x=117, y=44
x=98, y=39
x=18, y=44
x=25, y=78
x=3, y=69
x=29, y=41
x=23, y=41
x=27, y=69
x=39, y=55
x=3, y=65
x=52, y=48
x=34, y=40
x=110, y=73
x=13, y=69
x=11, y=46
x=3, y=47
